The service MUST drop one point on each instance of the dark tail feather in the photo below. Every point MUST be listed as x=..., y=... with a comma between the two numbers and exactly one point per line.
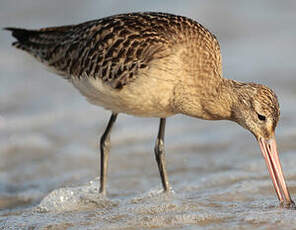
x=38, y=38
x=40, y=43
x=36, y=42
x=32, y=42
x=22, y=35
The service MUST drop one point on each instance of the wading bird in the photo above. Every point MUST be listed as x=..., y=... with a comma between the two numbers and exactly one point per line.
x=156, y=65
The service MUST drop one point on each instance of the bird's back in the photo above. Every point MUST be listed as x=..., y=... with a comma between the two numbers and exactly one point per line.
x=115, y=48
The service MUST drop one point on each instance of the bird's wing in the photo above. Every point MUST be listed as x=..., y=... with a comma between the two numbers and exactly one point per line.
x=113, y=49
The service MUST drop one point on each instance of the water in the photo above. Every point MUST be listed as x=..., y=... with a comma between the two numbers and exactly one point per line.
x=48, y=132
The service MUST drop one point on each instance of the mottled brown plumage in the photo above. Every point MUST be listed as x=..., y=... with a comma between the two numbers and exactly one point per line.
x=112, y=48
x=157, y=65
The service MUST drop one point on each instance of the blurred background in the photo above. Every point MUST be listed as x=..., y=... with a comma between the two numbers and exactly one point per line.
x=49, y=132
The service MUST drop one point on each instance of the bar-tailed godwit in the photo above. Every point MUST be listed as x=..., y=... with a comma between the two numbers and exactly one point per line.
x=156, y=65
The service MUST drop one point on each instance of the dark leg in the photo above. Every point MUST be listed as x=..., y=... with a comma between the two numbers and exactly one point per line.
x=105, y=147
x=160, y=155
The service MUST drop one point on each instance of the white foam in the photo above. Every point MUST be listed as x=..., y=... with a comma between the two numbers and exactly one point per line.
x=74, y=198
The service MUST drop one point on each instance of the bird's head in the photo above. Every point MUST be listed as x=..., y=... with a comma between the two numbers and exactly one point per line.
x=257, y=109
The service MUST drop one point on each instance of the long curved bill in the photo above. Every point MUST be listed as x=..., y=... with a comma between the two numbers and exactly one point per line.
x=270, y=153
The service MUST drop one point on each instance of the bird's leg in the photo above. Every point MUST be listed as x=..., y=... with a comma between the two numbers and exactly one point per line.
x=105, y=147
x=160, y=155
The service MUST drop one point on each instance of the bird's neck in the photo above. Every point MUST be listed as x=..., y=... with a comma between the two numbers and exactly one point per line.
x=213, y=99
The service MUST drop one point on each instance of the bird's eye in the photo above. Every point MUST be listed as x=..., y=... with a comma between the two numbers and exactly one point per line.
x=261, y=117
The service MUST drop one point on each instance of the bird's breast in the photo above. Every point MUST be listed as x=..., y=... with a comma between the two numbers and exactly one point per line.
x=149, y=95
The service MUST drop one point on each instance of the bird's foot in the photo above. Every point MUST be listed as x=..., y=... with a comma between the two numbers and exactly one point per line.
x=288, y=205
x=168, y=190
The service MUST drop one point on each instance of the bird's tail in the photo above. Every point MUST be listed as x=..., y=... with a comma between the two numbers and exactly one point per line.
x=38, y=43
x=24, y=37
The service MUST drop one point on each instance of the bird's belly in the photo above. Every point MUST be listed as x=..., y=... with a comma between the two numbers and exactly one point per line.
x=147, y=97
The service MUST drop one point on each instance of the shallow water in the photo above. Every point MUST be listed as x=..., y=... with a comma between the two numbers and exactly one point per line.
x=48, y=132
